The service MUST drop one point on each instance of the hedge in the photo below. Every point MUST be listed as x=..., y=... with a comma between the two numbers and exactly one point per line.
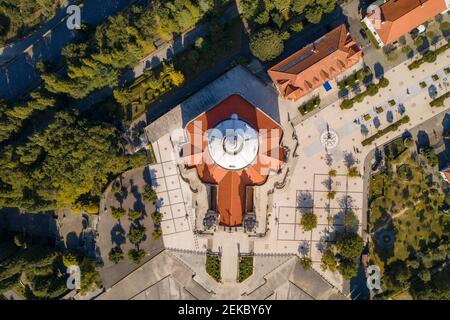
x=354, y=78
x=382, y=132
x=439, y=101
x=371, y=90
x=429, y=56
x=309, y=106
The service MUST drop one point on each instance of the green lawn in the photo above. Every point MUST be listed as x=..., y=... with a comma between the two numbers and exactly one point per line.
x=213, y=267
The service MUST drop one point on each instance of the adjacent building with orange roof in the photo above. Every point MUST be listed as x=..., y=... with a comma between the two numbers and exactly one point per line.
x=234, y=146
x=446, y=174
x=315, y=64
x=394, y=18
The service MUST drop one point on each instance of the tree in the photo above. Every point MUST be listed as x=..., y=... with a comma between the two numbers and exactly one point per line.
x=266, y=44
x=90, y=278
x=136, y=233
x=306, y=263
x=430, y=56
x=349, y=245
x=149, y=194
x=350, y=219
x=328, y=261
x=70, y=259
x=136, y=255
x=353, y=172
x=383, y=83
x=157, y=234
x=157, y=217
x=117, y=213
x=348, y=268
x=308, y=221
x=134, y=215
x=115, y=255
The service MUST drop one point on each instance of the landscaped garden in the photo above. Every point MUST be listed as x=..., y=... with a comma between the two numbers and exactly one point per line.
x=410, y=230
x=245, y=268
x=213, y=266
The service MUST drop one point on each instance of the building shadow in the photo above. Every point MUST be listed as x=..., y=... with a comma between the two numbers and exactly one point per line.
x=423, y=140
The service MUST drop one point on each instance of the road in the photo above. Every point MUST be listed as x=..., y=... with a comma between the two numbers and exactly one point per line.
x=19, y=74
x=12, y=50
x=169, y=50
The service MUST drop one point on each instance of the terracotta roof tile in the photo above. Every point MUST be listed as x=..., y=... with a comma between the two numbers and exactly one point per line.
x=402, y=16
x=232, y=184
x=318, y=62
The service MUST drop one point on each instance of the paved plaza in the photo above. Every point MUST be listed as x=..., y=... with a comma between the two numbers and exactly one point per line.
x=306, y=176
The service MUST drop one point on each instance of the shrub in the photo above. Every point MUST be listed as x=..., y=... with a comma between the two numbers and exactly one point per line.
x=347, y=104
x=444, y=26
x=157, y=234
x=430, y=56
x=309, y=106
x=149, y=194
x=306, y=263
x=117, y=213
x=353, y=172
x=372, y=89
x=157, y=217
x=134, y=215
x=136, y=233
x=439, y=101
x=423, y=84
x=266, y=44
x=384, y=131
x=136, y=255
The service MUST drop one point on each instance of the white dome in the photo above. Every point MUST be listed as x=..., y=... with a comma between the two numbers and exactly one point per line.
x=233, y=144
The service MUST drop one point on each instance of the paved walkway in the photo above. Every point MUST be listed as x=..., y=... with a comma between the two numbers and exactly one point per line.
x=229, y=261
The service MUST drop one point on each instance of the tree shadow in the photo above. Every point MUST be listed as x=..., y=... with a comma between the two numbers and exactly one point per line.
x=378, y=70
x=423, y=140
x=376, y=122
x=118, y=235
x=149, y=176
x=349, y=159
x=389, y=116
x=73, y=241
x=305, y=202
x=303, y=248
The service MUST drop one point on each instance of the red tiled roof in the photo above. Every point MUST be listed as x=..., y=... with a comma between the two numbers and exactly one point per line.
x=401, y=16
x=231, y=184
x=447, y=174
x=318, y=62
